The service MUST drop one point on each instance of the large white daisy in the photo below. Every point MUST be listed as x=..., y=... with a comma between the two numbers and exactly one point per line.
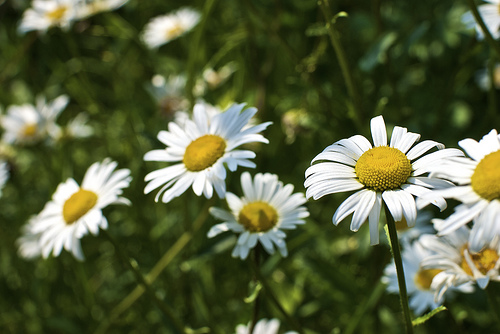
x=458, y=263
x=491, y=18
x=266, y=209
x=201, y=148
x=478, y=182
x=392, y=173
x=163, y=29
x=75, y=210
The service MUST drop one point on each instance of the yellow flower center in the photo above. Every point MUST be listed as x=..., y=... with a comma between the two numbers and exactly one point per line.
x=484, y=261
x=57, y=14
x=78, y=205
x=382, y=168
x=258, y=217
x=204, y=152
x=486, y=178
x=29, y=130
x=175, y=31
x=423, y=278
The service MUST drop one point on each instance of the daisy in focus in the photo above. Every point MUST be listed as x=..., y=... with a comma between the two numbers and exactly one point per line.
x=263, y=326
x=266, y=209
x=392, y=173
x=458, y=263
x=478, y=182
x=45, y=14
x=491, y=18
x=28, y=124
x=200, y=149
x=162, y=29
x=418, y=280
x=76, y=210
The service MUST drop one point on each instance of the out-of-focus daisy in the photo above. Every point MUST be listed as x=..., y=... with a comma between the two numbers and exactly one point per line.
x=78, y=127
x=27, y=124
x=266, y=209
x=169, y=93
x=392, y=173
x=94, y=7
x=215, y=78
x=483, y=78
x=490, y=15
x=201, y=148
x=478, y=182
x=162, y=29
x=457, y=262
x=45, y=14
x=418, y=280
x=262, y=326
x=29, y=243
x=4, y=175
x=75, y=210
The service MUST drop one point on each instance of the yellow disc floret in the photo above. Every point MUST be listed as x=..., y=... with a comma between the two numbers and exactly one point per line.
x=204, y=152
x=258, y=217
x=484, y=261
x=486, y=178
x=29, y=130
x=382, y=168
x=57, y=14
x=78, y=205
x=423, y=278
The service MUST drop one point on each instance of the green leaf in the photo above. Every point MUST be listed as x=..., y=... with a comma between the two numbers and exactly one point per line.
x=255, y=288
x=425, y=317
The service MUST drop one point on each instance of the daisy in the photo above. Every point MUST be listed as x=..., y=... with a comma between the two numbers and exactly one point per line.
x=170, y=94
x=75, y=210
x=458, y=263
x=263, y=326
x=78, y=127
x=45, y=14
x=27, y=124
x=200, y=150
x=94, y=7
x=392, y=173
x=4, y=175
x=266, y=209
x=478, y=182
x=490, y=15
x=418, y=280
x=162, y=29
x=483, y=78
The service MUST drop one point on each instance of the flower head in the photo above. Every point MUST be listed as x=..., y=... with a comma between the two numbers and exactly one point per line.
x=162, y=29
x=75, y=210
x=266, y=209
x=263, y=326
x=392, y=173
x=478, y=182
x=490, y=15
x=45, y=14
x=201, y=148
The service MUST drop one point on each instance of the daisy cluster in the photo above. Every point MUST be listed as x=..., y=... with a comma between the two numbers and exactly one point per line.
x=440, y=259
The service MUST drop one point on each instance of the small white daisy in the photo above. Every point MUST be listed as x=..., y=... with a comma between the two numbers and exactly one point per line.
x=478, y=182
x=392, y=173
x=78, y=127
x=457, y=262
x=75, y=210
x=29, y=243
x=490, y=15
x=45, y=14
x=418, y=280
x=4, y=175
x=201, y=149
x=266, y=209
x=94, y=7
x=262, y=326
x=162, y=29
x=27, y=124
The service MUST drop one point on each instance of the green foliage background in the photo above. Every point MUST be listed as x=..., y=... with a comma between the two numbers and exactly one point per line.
x=412, y=61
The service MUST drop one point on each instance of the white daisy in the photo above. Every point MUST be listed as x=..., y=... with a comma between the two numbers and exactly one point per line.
x=418, y=280
x=478, y=182
x=45, y=14
x=78, y=127
x=266, y=209
x=483, y=78
x=170, y=94
x=490, y=15
x=27, y=124
x=458, y=263
x=4, y=175
x=94, y=7
x=391, y=173
x=75, y=210
x=262, y=326
x=201, y=148
x=29, y=243
x=162, y=29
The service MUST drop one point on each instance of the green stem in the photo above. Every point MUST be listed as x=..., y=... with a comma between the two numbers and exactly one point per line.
x=255, y=315
x=396, y=252
x=342, y=59
x=132, y=266
x=492, y=291
x=486, y=32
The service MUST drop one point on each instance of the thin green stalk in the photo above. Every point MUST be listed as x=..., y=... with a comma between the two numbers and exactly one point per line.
x=342, y=59
x=290, y=320
x=396, y=252
x=492, y=291
x=131, y=265
x=255, y=315
x=479, y=20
